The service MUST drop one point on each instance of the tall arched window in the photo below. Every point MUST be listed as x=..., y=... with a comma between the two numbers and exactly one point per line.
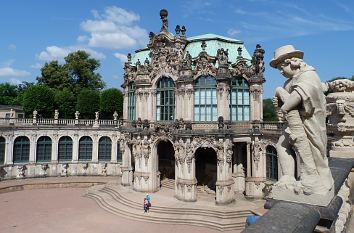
x=85, y=149
x=44, y=149
x=119, y=152
x=131, y=101
x=2, y=150
x=21, y=150
x=65, y=149
x=165, y=100
x=104, y=149
x=205, y=99
x=271, y=163
x=239, y=100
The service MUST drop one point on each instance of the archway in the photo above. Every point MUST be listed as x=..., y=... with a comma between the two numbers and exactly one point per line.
x=206, y=167
x=166, y=156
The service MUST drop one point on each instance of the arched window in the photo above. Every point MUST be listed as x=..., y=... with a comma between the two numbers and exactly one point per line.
x=44, y=149
x=119, y=152
x=165, y=100
x=104, y=149
x=271, y=163
x=239, y=100
x=85, y=149
x=21, y=150
x=131, y=101
x=65, y=149
x=2, y=150
x=205, y=99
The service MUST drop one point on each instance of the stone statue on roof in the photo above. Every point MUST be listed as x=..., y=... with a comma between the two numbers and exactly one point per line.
x=303, y=104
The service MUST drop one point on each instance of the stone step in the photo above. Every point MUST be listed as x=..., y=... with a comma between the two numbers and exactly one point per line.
x=106, y=203
x=221, y=214
x=170, y=184
x=109, y=198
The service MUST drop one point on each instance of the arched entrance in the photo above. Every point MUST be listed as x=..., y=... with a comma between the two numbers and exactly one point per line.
x=206, y=167
x=166, y=156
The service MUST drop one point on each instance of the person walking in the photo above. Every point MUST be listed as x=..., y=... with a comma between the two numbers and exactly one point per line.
x=146, y=207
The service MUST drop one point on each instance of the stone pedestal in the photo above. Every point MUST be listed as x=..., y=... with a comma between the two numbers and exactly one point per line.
x=313, y=199
x=254, y=187
x=186, y=189
x=239, y=182
x=225, y=193
x=127, y=176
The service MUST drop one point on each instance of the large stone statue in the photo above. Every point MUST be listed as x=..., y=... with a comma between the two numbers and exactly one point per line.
x=303, y=104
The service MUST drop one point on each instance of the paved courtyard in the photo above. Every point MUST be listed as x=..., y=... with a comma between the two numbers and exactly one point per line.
x=67, y=210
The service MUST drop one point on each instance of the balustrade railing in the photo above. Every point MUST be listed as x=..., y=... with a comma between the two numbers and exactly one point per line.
x=196, y=125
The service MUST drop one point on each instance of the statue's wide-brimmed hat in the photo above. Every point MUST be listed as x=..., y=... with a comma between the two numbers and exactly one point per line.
x=285, y=52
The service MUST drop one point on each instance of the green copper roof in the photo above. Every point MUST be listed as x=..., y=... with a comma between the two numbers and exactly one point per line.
x=141, y=54
x=213, y=42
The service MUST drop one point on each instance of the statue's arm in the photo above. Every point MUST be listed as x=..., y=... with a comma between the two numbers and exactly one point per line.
x=293, y=100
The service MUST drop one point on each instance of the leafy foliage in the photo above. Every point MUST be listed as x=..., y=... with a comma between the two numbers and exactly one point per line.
x=88, y=102
x=8, y=93
x=111, y=100
x=82, y=71
x=269, y=112
x=65, y=102
x=38, y=97
x=55, y=76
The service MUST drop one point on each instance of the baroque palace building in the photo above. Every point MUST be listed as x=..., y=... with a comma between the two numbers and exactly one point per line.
x=192, y=117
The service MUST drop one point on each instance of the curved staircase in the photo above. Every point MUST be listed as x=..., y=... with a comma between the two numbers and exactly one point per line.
x=114, y=199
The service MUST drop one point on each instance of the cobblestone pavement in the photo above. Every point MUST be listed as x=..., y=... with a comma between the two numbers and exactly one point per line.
x=66, y=210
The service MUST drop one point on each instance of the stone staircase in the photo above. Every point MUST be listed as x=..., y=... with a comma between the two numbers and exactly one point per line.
x=110, y=197
x=202, y=190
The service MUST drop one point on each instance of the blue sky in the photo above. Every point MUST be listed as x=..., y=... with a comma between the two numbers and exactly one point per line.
x=33, y=32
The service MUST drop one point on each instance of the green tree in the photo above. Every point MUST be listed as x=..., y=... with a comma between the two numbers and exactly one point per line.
x=8, y=94
x=269, y=112
x=55, y=76
x=65, y=102
x=40, y=98
x=82, y=69
x=88, y=102
x=111, y=100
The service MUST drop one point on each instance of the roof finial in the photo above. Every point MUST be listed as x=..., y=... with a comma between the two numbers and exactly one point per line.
x=203, y=45
x=163, y=15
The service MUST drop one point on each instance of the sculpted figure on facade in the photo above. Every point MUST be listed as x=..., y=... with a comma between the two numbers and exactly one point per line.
x=222, y=56
x=304, y=106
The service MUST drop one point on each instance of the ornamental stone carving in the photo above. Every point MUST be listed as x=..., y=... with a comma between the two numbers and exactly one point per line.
x=145, y=148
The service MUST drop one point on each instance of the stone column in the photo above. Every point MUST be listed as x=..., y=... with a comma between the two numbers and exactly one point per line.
x=255, y=183
x=224, y=184
x=55, y=141
x=127, y=169
x=146, y=175
x=33, y=148
x=75, y=148
x=8, y=160
x=189, y=103
x=223, y=100
x=153, y=104
x=187, y=182
x=256, y=101
x=95, y=148
x=125, y=104
x=114, y=149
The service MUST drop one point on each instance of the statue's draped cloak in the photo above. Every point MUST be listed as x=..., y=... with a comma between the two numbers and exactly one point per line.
x=313, y=115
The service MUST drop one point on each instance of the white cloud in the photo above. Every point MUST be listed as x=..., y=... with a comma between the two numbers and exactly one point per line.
x=115, y=28
x=58, y=53
x=15, y=81
x=36, y=66
x=122, y=57
x=8, y=62
x=11, y=72
x=12, y=46
x=233, y=32
x=82, y=39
